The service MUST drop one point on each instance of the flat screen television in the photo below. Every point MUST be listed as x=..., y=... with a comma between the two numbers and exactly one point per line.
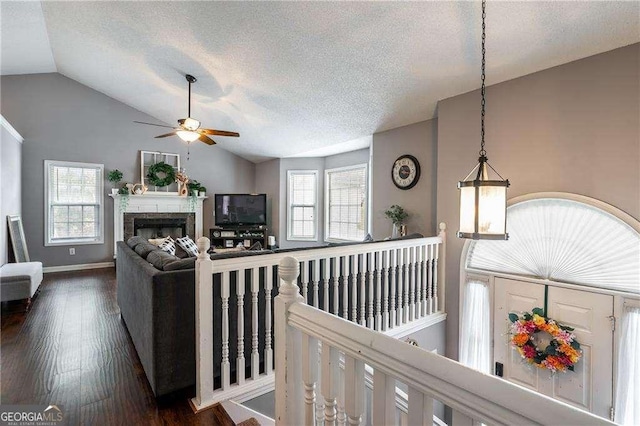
x=240, y=209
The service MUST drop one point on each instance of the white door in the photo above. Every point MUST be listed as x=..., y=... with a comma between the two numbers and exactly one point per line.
x=514, y=296
x=590, y=386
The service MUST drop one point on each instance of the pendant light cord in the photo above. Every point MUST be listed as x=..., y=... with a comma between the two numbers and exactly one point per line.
x=189, y=106
x=483, y=153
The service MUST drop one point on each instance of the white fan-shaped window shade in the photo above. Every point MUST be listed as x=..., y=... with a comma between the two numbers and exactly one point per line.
x=564, y=240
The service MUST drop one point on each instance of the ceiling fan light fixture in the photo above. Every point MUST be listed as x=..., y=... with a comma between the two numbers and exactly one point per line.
x=191, y=124
x=187, y=135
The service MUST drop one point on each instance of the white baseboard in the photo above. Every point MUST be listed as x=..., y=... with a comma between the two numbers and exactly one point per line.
x=78, y=267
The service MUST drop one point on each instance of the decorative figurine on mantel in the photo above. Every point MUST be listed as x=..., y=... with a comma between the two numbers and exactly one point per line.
x=183, y=180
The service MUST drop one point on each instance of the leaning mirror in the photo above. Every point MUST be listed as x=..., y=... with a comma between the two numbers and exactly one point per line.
x=18, y=242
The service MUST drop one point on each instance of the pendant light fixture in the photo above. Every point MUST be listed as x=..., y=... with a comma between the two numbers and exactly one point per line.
x=483, y=200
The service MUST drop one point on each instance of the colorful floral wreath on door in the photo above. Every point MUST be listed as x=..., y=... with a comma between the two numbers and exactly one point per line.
x=561, y=354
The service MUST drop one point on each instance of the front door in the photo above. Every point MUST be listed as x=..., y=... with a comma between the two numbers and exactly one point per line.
x=590, y=386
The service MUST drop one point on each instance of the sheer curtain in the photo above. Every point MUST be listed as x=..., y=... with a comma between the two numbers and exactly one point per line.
x=475, y=331
x=628, y=380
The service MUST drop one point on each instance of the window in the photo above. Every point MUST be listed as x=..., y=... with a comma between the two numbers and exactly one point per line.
x=346, y=203
x=302, y=196
x=475, y=329
x=74, y=194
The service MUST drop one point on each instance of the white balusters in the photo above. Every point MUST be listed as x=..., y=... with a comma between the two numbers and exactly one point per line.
x=240, y=320
x=309, y=377
x=406, y=284
x=363, y=276
x=400, y=253
x=226, y=366
x=430, y=279
x=315, y=265
x=418, y=267
x=325, y=284
x=268, y=352
x=424, y=250
x=420, y=408
x=372, y=265
x=385, y=300
x=412, y=283
x=329, y=384
x=354, y=288
x=392, y=286
x=304, y=279
x=435, y=280
x=255, y=357
x=384, y=399
x=354, y=389
x=345, y=286
x=335, y=266
x=378, y=317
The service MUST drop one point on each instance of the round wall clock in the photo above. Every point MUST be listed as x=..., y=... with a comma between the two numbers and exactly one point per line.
x=405, y=172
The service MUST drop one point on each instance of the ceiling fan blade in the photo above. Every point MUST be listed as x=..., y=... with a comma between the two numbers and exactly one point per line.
x=166, y=135
x=151, y=124
x=206, y=140
x=218, y=132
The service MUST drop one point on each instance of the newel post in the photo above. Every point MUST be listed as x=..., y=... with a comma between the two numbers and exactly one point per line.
x=442, y=267
x=289, y=403
x=204, y=326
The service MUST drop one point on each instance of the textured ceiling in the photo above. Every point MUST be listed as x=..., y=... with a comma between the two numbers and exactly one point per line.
x=305, y=77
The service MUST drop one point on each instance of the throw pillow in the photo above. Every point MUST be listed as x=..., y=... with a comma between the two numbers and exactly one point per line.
x=157, y=241
x=169, y=246
x=188, y=245
x=143, y=249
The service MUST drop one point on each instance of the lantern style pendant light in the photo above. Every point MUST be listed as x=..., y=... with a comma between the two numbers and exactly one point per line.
x=483, y=200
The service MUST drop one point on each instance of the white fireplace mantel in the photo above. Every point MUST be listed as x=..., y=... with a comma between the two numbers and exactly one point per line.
x=152, y=203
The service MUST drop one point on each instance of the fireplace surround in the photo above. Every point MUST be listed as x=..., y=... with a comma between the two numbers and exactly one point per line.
x=152, y=207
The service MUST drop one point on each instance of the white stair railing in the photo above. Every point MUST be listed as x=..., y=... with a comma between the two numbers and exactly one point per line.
x=356, y=282
x=428, y=376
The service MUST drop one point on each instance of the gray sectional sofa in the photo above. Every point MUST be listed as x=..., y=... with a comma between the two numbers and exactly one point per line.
x=156, y=295
x=157, y=304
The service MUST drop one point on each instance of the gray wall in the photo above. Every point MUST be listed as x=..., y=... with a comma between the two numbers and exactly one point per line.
x=10, y=200
x=572, y=128
x=320, y=164
x=268, y=182
x=419, y=140
x=62, y=119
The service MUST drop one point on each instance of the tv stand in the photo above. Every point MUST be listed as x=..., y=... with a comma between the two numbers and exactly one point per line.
x=230, y=236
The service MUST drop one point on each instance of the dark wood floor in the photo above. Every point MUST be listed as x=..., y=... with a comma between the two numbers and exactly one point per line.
x=72, y=349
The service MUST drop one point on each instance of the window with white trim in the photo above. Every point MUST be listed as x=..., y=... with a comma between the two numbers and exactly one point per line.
x=302, y=196
x=74, y=203
x=346, y=203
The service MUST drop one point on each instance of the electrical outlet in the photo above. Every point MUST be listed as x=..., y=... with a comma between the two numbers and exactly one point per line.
x=72, y=251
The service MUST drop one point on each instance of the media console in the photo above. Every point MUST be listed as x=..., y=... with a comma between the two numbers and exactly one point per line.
x=231, y=236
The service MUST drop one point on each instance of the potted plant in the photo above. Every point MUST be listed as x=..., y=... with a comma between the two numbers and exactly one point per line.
x=202, y=191
x=114, y=176
x=194, y=186
x=397, y=216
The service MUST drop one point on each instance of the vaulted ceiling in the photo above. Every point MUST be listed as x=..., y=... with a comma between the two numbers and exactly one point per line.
x=301, y=77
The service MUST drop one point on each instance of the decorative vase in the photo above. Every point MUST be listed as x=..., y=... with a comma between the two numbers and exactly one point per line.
x=403, y=230
x=395, y=231
x=114, y=191
x=202, y=193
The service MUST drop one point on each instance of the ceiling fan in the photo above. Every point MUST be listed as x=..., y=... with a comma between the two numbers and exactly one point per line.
x=189, y=128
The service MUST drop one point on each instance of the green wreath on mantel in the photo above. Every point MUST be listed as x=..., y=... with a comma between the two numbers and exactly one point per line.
x=164, y=168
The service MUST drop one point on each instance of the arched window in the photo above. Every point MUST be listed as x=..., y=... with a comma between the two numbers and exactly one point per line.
x=565, y=239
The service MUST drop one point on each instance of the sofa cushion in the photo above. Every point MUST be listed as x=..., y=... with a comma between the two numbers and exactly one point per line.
x=143, y=249
x=159, y=259
x=134, y=241
x=187, y=263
